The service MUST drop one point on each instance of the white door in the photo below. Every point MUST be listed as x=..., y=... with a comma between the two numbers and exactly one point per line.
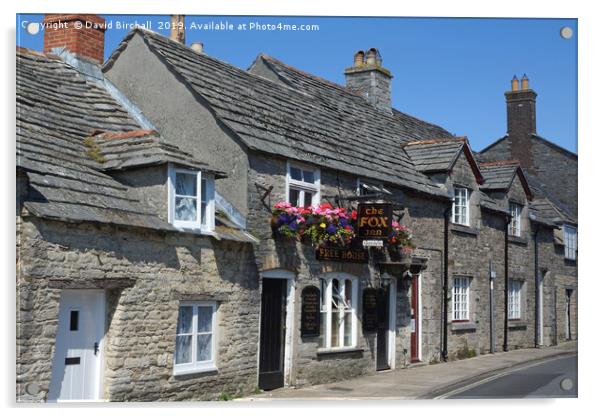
x=76, y=368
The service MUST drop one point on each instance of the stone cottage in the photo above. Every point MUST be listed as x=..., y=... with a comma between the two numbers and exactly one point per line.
x=173, y=173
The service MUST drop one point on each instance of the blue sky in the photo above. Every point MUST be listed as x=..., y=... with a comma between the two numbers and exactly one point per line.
x=449, y=71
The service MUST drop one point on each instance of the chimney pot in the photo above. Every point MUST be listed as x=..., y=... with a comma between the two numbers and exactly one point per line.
x=81, y=34
x=197, y=47
x=514, y=84
x=524, y=82
x=371, y=56
x=358, y=59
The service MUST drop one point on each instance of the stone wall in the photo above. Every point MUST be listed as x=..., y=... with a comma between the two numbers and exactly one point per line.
x=181, y=117
x=141, y=317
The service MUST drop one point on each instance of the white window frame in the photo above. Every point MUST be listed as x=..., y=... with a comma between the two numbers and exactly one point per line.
x=462, y=314
x=570, y=242
x=198, y=366
x=514, y=226
x=342, y=277
x=362, y=184
x=209, y=225
x=466, y=221
x=515, y=288
x=303, y=186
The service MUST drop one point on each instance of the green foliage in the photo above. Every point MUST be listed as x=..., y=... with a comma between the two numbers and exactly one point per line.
x=224, y=397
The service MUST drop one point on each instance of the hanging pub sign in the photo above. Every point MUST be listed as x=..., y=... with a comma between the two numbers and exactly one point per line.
x=310, y=312
x=374, y=221
x=369, y=310
x=342, y=254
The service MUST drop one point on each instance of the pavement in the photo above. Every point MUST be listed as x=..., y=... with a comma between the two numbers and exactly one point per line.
x=420, y=382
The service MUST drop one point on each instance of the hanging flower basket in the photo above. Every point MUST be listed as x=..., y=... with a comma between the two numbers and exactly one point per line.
x=327, y=226
x=400, y=239
x=321, y=225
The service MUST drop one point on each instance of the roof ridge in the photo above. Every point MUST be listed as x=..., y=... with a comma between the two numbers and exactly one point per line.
x=509, y=162
x=463, y=139
x=307, y=74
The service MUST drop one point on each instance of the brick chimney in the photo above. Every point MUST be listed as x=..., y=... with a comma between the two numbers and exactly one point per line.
x=177, y=28
x=370, y=79
x=81, y=34
x=520, y=107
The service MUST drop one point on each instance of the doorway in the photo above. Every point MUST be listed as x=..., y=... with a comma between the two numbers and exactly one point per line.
x=382, y=331
x=272, y=333
x=77, y=362
x=568, y=296
x=415, y=322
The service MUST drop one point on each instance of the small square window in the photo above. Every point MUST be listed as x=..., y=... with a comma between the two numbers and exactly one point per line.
x=191, y=199
x=303, y=185
x=195, y=338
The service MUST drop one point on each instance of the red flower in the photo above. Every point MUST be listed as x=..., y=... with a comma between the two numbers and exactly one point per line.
x=354, y=215
x=326, y=206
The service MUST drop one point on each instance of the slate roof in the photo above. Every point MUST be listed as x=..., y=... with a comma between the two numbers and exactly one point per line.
x=143, y=148
x=434, y=155
x=57, y=109
x=552, y=209
x=499, y=175
x=308, y=120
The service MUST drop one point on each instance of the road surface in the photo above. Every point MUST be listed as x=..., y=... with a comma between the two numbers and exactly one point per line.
x=554, y=378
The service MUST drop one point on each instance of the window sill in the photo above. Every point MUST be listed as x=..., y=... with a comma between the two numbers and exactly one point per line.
x=211, y=369
x=464, y=229
x=571, y=262
x=517, y=324
x=517, y=240
x=339, y=350
x=463, y=326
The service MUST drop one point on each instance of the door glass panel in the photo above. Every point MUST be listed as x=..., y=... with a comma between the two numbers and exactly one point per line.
x=73, y=320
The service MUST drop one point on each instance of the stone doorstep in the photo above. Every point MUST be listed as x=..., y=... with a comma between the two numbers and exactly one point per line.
x=534, y=355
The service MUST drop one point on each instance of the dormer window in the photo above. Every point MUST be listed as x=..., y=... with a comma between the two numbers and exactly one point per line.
x=191, y=199
x=302, y=185
x=460, y=208
x=514, y=225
